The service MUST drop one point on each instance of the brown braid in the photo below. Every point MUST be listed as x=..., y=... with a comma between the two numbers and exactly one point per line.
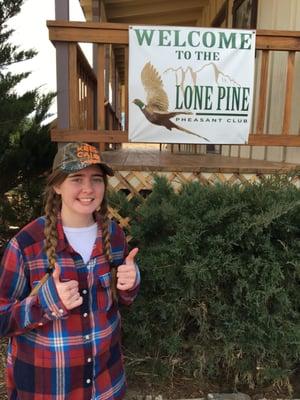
x=102, y=216
x=52, y=207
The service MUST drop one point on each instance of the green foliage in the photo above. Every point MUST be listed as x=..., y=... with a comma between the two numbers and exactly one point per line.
x=26, y=149
x=220, y=292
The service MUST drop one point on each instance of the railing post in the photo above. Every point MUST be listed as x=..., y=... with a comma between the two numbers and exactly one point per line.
x=100, y=91
x=62, y=69
x=126, y=86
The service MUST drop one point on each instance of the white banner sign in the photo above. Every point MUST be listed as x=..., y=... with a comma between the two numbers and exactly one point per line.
x=190, y=85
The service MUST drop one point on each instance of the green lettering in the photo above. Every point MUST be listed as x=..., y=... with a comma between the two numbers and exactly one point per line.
x=245, y=99
x=245, y=39
x=226, y=41
x=144, y=35
x=178, y=106
x=221, y=96
x=209, y=39
x=164, y=35
x=188, y=97
x=177, y=37
x=190, y=38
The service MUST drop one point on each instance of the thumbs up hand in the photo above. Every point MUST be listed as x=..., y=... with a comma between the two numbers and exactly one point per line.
x=126, y=273
x=67, y=291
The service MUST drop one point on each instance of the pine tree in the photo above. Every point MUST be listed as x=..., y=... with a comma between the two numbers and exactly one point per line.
x=26, y=149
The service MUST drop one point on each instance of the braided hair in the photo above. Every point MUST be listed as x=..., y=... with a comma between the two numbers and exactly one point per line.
x=101, y=215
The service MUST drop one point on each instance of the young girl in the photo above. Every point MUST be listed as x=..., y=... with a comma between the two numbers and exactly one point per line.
x=58, y=299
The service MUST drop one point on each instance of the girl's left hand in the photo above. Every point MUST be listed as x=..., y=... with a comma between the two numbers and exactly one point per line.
x=126, y=273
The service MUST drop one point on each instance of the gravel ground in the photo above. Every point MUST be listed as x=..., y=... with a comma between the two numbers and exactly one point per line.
x=3, y=343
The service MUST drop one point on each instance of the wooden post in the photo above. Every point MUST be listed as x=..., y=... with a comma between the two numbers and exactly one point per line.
x=62, y=65
x=100, y=91
x=126, y=86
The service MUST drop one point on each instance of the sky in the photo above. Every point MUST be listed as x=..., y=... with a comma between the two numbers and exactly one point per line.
x=31, y=32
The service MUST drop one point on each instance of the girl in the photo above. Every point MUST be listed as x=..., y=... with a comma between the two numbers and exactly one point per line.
x=58, y=300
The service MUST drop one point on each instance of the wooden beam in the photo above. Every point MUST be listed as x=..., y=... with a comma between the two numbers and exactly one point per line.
x=130, y=2
x=114, y=136
x=168, y=18
x=88, y=32
x=93, y=136
x=154, y=8
x=277, y=40
x=274, y=140
x=112, y=33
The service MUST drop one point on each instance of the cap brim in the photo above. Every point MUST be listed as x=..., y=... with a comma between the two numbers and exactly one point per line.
x=107, y=169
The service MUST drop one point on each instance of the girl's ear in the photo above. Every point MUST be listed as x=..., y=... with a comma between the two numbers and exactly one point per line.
x=57, y=189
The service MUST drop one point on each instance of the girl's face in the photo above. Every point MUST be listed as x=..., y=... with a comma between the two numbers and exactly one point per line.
x=81, y=193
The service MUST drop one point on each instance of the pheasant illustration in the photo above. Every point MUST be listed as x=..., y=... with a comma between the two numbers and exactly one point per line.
x=156, y=109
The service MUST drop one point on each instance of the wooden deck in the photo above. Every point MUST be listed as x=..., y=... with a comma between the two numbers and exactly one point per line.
x=155, y=160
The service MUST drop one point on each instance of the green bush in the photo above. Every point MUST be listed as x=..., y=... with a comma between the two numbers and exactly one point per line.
x=220, y=295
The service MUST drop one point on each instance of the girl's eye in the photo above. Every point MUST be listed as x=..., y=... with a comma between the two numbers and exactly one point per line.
x=98, y=178
x=75, y=179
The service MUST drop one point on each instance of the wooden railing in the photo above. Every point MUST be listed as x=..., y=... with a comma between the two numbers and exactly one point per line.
x=85, y=125
x=86, y=82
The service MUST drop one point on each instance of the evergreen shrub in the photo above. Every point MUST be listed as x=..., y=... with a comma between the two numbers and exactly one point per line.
x=220, y=296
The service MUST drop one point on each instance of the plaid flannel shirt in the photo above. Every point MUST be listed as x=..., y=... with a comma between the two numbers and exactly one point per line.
x=56, y=353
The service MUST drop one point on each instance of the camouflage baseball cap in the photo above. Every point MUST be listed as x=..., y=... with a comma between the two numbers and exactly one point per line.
x=73, y=157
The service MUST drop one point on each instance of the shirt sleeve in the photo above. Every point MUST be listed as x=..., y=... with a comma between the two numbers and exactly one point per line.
x=20, y=312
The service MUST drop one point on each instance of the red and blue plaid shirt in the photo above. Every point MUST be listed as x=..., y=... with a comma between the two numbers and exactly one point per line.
x=56, y=353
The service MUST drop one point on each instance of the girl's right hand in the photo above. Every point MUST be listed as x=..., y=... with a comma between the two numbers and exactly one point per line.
x=67, y=291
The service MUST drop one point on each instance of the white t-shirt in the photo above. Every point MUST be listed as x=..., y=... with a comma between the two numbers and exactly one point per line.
x=82, y=239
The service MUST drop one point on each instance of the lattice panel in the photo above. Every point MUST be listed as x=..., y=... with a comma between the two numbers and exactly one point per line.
x=136, y=181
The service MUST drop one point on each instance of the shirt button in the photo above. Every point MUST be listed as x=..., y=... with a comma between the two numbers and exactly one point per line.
x=53, y=313
x=87, y=337
x=41, y=324
x=85, y=314
x=89, y=360
x=88, y=381
x=61, y=311
x=84, y=291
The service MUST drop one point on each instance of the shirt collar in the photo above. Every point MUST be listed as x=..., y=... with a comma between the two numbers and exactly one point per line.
x=98, y=246
x=63, y=244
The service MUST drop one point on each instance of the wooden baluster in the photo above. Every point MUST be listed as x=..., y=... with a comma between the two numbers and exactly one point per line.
x=262, y=103
x=100, y=91
x=288, y=93
x=73, y=87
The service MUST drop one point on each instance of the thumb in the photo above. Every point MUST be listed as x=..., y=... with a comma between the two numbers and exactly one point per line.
x=56, y=273
x=130, y=258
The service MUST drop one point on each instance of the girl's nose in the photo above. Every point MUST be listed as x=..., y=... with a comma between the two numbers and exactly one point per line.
x=87, y=186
